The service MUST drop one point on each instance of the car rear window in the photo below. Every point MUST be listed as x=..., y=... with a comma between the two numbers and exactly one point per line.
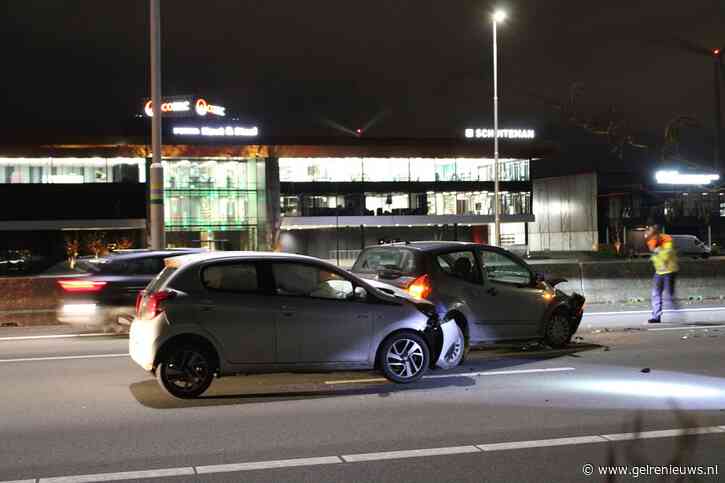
x=386, y=258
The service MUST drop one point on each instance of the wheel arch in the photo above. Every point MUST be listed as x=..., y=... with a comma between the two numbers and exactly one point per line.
x=462, y=321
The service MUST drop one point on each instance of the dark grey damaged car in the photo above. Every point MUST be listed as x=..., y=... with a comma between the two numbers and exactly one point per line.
x=492, y=294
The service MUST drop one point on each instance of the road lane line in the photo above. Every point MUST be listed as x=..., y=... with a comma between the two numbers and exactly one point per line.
x=688, y=327
x=461, y=374
x=268, y=465
x=63, y=358
x=541, y=443
x=667, y=433
x=411, y=453
x=353, y=381
x=126, y=475
x=502, y=373
x=57, y=336
x=364, y=457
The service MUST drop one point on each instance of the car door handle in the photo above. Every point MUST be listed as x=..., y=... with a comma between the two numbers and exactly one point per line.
x=492, y=291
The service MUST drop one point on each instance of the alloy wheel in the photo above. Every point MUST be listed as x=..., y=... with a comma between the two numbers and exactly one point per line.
x=405, y=358
x=188, y=371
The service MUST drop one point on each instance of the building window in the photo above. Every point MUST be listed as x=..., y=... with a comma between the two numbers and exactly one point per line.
x=72, y=170
x=400, y=169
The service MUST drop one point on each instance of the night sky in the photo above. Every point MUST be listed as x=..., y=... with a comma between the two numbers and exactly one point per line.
x=420, y=67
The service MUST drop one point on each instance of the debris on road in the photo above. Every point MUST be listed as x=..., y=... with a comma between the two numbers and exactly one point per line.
x=646, y=370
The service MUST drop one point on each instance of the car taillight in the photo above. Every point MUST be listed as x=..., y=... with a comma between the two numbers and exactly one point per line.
x=81, y=285
x=150, y=304
x=420, y=288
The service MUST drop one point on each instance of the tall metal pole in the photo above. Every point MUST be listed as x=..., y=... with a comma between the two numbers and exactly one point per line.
x=718, y=118
x=496, y=204
x=156, y=181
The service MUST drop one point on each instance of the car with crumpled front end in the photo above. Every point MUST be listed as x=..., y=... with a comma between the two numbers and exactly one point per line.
x=226, y=313
x=492, y=294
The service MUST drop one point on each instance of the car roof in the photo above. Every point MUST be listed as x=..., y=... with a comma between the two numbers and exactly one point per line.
x=178, y=261
x=125, y=255
x=431, y=246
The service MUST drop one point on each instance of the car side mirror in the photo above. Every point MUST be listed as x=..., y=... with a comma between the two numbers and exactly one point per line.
x=360, y=294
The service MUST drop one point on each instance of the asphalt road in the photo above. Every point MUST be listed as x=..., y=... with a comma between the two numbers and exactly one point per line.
x=73, y=407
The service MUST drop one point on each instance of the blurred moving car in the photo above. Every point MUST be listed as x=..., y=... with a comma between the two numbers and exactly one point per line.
x=225, y=313
x=690, y=246
x=493, y=295
x=101, y=291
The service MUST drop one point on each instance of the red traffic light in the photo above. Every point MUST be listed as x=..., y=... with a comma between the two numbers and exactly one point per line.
x=358, y=131
x=716, y=51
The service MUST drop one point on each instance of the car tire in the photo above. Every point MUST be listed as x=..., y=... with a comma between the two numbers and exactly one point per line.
x=186, y=371
x=404, y=357
x=557, y=332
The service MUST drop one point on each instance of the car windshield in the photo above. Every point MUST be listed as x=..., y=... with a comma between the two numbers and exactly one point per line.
x=386, y=258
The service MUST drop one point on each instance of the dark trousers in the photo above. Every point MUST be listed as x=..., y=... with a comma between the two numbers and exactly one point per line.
x=662, y=284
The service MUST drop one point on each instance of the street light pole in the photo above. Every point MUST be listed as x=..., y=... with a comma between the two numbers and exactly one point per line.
x=156, y=181
x=497, y=17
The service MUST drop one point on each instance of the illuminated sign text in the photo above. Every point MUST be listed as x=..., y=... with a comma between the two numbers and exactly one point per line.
x=502, y=133
x=212, y=131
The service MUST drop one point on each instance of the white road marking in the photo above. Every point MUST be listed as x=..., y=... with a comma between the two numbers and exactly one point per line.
x=541, y=443
x=502, y=373
x=666, y=311
x=57, y=336
x=460, y=374
x=363, y=457
x=126, y=475
x=413, y=453
x=688, y=327
x=667, y=433
x=63, y=358
x=353, y=381
x=267, y=465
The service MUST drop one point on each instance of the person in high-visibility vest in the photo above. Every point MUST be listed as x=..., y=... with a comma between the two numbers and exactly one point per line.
x=664, y=259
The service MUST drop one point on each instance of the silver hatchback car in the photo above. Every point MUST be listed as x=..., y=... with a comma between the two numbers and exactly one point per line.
x=225, y=313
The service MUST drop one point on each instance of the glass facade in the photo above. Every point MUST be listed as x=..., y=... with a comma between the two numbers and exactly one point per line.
x=428, y=203
x=400, y=169
x=72, y=170
x=214, y=194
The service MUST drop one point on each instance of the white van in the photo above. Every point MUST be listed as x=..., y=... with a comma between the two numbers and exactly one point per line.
x=691, y=246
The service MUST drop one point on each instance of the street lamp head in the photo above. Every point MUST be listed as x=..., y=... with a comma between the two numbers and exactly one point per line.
x=499, y=16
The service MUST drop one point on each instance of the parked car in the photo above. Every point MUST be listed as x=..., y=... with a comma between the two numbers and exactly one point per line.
x=101, y=291
x=492, y=294
x=225, y=313
x=690, y=246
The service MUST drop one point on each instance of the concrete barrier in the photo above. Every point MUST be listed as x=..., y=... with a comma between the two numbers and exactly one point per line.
x=28, y=301
x=617, y=285
x=625, y=282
